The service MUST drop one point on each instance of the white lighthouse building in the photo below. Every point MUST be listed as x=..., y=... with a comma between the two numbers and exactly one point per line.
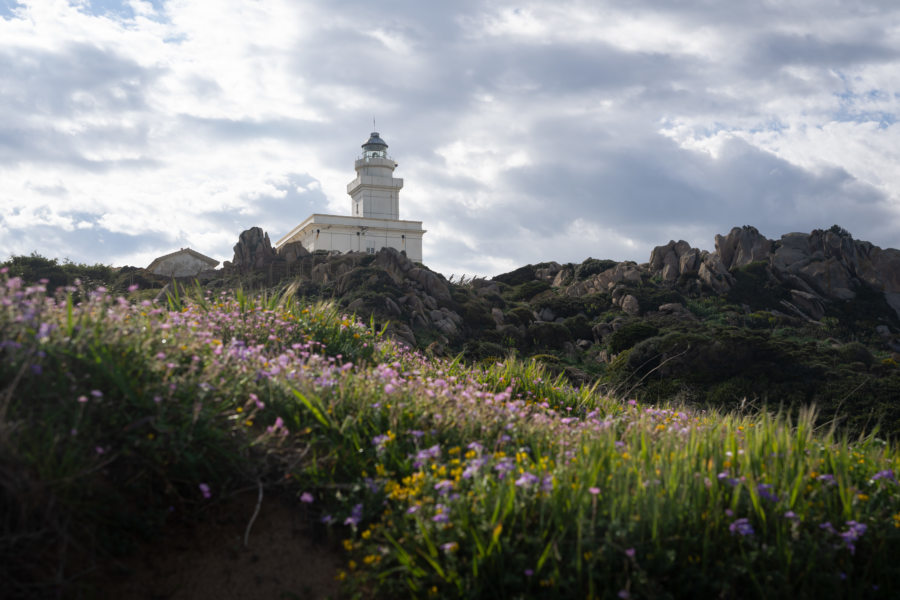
x=375, y=212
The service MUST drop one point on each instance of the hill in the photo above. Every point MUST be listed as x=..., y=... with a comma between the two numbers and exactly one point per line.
x=121, y=421
x=807, y=319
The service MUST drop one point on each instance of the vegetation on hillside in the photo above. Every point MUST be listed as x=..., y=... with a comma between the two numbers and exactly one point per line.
x=439, y=479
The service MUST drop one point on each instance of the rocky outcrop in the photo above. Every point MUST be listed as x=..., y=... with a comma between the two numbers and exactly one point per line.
x=292, y=252
x=673, y=260
x=253, y=251
x=603, y=282
x=742, y=246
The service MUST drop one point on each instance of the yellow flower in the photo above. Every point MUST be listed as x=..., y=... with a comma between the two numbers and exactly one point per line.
x=863, y=497
x=366, y=534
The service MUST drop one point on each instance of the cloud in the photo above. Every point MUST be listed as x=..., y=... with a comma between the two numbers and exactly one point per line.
x=525, y=131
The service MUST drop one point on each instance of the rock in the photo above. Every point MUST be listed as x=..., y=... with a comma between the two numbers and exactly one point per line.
x=401, y=333
x=601, y=330
x=497, y=314
x=392, y=307
x=563, y=277
x=485, y=287
x=714, y=274
x=545, y=315
x=570, y=351
x=603, y=282
x=253, y=250
x=429, y=301
x=292, y=252
x=808, y=303
x=631, y=305
x=742, y=245
x=603, y=356
x=547, y=273
x=883, y=330
x=356, y=306
x=395, y=263
x=431, y=283
x=583, y=344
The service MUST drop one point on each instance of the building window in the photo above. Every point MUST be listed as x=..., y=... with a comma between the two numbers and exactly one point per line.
x=370, y=250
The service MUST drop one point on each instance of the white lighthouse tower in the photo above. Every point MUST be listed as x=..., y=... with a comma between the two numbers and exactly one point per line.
x=375, y=212
x=375, y=192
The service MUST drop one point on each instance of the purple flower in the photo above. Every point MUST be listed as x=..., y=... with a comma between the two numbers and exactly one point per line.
x=529, y=572
x=450, y=547
x=623, y=594
x=527, y=479
x=355, y=516
x=547, y=484
x=764, y=492
x=826, y=526
x=826, y=478
x=204, y=489
x=96, y=393
x=82, y=399
x=854, y=532
x=742, y=527
x=327, y=519
x=307, y=498
x=630, y=552
x=886, y=474
x=443, y=486
x=594, y=490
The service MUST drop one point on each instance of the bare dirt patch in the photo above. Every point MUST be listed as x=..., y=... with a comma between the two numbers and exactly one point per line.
x=208, y=560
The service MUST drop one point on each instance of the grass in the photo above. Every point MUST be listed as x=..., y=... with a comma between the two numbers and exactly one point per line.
x=439, y=479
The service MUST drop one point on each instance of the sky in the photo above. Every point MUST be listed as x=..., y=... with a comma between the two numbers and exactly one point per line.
x=524, y=131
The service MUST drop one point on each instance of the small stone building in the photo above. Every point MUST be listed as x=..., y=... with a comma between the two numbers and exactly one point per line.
x=182, y=263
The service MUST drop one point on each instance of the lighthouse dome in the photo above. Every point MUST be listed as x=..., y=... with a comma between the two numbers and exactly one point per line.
x=375, y=146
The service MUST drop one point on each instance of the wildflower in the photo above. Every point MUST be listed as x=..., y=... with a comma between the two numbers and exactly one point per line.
x=355, y=516
x=826, y=478
x=764, y=492
x=547, y=484
x=529, y=572
x=443, y=486
x=594, y=490
x=791, y=515
x=82, y=399
x=623, y=594
x=204, y=489
x=327, y=519
x=741, y=526
x=307, y=498
x=827, y=526
x=96, y=393
x=630, y=552
x=527, y=479
x=854, y=532
x=450, y=547
x=886, y=474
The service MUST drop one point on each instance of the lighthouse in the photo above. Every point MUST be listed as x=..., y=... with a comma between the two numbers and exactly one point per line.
x=374, y=220
x=375, y=192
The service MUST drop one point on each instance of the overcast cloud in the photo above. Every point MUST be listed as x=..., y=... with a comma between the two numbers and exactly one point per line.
x=525, y=131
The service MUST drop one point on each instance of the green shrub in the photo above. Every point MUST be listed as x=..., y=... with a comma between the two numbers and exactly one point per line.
x=629, y=335
x=593, y=266
x=529, y=290
x=549, y=335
